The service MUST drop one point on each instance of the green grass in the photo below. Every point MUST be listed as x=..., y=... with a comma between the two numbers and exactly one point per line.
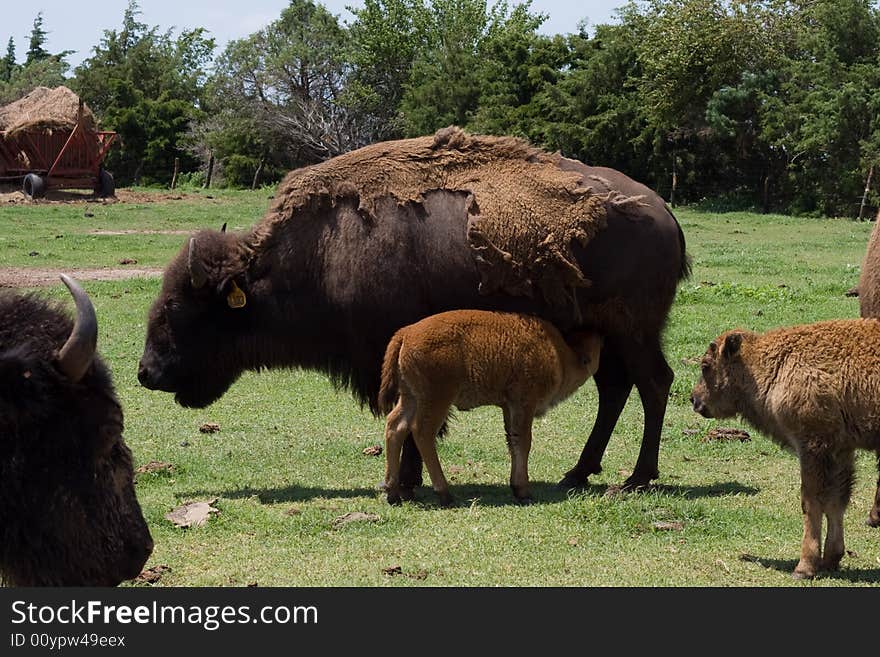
x=288, y=458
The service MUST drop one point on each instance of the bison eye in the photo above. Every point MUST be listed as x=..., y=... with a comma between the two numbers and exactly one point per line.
x=705, y=367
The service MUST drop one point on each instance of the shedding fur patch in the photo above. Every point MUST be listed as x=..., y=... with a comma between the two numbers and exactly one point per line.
x=524, y=216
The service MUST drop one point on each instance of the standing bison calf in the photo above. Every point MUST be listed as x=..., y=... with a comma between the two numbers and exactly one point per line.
x=471, y=358
x=68, y=512
x=815, y=389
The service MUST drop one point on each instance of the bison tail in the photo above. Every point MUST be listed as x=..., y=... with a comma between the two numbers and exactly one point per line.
x=684, y=271
x=388, y=390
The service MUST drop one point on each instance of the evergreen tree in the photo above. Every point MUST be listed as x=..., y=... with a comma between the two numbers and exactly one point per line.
x=7, y=64
x=36, y=52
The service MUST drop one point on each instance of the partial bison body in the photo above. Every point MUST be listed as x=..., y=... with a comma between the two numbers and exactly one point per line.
x=471, y=358
x=869, y=280
x=363, y=244
x=68, y=512
x=814, y=389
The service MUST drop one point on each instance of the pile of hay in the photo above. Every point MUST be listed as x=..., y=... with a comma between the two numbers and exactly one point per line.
x=524, y=216
x=45, y=109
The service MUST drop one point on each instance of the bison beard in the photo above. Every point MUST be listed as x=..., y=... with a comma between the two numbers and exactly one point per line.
x=336, y=267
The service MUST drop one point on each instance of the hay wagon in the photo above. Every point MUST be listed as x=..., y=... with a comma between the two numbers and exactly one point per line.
x=49, y=140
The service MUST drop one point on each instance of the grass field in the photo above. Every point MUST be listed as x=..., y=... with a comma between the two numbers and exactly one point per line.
x=288, y=459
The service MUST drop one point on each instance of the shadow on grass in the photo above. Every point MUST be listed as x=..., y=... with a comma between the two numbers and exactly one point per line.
x=291, y=493
x=851, y=575
x=718, y=489
x=543, y=492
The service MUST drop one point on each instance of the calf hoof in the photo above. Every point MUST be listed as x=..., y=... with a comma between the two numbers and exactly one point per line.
x=805, y=570
x=873, y=518
x=800, y=574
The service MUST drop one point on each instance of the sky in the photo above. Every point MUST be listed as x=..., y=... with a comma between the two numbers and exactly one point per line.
x=79, y=24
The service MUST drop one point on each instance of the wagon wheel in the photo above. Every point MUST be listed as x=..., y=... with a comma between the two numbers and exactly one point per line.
x=106, y=187
x=33, y=186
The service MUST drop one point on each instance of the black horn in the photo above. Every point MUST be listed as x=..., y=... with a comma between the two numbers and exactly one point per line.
x=198, y=275
x=77, y=353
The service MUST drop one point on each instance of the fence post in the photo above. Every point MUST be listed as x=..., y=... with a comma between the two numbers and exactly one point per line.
x=865, y=193
x=176, y=169
x=210, y=171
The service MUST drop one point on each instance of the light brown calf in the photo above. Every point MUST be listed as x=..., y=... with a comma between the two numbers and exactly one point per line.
x=814, y=389
x=470, y=358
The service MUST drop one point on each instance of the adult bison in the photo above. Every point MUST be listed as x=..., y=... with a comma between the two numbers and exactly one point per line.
x=68, y=512
x=357, y=247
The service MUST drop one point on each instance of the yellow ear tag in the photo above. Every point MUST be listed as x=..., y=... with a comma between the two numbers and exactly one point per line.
x=236, y=298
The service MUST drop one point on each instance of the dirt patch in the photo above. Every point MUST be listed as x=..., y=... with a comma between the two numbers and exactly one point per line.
x=141, y=232
x=34, y=277
x=12, y=194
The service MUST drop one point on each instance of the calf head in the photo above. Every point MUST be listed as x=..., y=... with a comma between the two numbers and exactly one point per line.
x=722, y=374
x=196, y=323
x=68, y=511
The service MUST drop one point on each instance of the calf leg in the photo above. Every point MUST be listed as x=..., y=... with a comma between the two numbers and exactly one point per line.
x=426, y=425
x=840, y=474
x=874, y=515
x=518, y=427
x=811, y=505
x=614, y=385
x=396, y=430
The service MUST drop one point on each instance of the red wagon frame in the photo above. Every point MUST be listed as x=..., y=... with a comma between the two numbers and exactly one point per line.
x=57, y=159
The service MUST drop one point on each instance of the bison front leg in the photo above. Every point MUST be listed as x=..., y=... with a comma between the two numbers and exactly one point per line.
x=518, y=427
x=837, y=489
x=811, y=505
x=410, y=469
x=614, y=386
x=874, y=515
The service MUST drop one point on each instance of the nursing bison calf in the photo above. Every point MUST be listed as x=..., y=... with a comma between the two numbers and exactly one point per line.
x=68, y=512
x=814, y=389
x=471, y=358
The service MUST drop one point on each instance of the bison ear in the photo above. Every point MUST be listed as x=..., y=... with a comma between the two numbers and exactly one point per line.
x=732, y=343
x=197, y=273
x=223, y=227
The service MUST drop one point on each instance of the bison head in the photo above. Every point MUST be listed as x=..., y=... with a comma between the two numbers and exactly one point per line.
x=196, y=323
x=68, y=511
x=717, y=392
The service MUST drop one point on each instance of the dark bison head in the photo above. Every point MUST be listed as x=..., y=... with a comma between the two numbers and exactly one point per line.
x=723, y=377
x=196, y=324
x=68, y=511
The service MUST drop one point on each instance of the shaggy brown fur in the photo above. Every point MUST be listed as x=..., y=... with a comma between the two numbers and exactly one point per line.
x=814, y=389
x=525, y=212
x=869, y=280
x=868, y=291
x=68, y=511
x=471, y=358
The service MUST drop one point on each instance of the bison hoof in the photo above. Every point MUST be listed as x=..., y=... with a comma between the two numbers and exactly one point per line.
x=873, y=519
x=393, y=499
x=381, y=486
x=637, y=482
x=445, y=499
x=524, y=501
x=572, y=480
x=407, y=493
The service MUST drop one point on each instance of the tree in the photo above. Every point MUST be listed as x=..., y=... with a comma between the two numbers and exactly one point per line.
x=278, y=96
x=7, y=64
x=36, y=52
x=147, y=86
